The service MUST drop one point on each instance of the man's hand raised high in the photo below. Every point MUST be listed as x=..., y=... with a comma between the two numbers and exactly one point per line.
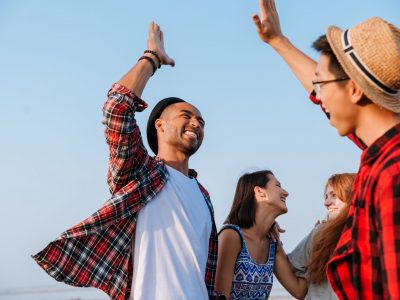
x=156, y=43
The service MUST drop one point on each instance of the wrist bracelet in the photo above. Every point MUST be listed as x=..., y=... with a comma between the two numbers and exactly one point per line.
x=151, y=61
x=156, y=55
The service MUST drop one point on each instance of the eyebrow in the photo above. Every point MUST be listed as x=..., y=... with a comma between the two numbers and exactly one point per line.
x=192, y=114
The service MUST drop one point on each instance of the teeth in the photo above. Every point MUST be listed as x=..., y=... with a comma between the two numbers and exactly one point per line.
x=191, y=133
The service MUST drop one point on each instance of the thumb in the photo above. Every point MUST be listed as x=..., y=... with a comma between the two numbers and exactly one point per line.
x=169, y=61
x=257, y=22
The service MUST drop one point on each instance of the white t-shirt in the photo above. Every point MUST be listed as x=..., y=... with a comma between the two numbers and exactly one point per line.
x=171, y=243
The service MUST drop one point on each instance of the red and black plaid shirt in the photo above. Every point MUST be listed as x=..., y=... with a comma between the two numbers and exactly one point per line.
x=366, y=262
x=98, y=251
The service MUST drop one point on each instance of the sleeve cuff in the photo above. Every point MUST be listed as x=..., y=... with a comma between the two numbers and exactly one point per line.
x=120, y=89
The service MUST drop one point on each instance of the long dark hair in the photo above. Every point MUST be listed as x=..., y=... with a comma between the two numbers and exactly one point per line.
x=325, y=240
x=243, y=210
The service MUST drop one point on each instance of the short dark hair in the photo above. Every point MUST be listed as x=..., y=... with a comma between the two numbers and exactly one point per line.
x=321, y=44
x=243, y=210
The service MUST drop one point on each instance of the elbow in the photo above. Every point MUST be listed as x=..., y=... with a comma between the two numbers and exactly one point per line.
x=299, y=295
x=298, y=292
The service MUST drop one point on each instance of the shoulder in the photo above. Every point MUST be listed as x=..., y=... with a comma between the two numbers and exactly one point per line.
x=300, y=252
x=230, y=239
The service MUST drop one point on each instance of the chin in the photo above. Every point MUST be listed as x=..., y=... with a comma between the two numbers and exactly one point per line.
x=284, y=210
x=191, y=149
x=343, y=132
x=332, y=216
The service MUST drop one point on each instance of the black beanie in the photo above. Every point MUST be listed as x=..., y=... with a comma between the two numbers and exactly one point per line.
x=154, y=115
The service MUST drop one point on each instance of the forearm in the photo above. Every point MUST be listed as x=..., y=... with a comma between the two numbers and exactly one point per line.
x=127, y=152
x=301, y=65
x=284, y=272
x=137, y=77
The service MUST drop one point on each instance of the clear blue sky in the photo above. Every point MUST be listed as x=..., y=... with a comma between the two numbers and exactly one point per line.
x=59, y=58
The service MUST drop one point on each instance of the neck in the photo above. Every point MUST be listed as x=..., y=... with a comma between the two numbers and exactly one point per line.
x=375, y=122
x=176, y=160
x=264, y=221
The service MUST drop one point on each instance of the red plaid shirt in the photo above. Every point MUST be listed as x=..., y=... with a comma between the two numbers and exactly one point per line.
x=98, y=251
x=366, y=262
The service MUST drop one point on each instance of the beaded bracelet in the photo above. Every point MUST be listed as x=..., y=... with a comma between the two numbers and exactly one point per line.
x=156, y=55
x=151, y=61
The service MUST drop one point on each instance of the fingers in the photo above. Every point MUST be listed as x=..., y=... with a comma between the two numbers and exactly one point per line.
x=273, y=238
x=273, y=6
x=151, y=28
x=257, y=22
x=263, y=8
x=156, y=28
x=279, y=229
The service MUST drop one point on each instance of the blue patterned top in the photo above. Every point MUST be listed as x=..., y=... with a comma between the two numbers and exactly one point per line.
x=251, y=280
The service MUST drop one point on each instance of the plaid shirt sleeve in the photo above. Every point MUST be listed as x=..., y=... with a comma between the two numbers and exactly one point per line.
x=387, y=203
x=97, y=251
x=127, y=152
x=211, y=266
x=352, y=136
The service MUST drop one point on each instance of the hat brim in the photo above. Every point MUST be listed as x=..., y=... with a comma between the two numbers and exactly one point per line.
x=376, y=95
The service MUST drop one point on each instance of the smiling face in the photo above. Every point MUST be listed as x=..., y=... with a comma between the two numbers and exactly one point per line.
x=273, y=194
x=333, y=203
x=337, y=98
x=180, y=127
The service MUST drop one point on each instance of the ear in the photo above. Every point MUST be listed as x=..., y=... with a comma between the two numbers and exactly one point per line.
x=259, y=192
x=159, y=125
x=356, y=92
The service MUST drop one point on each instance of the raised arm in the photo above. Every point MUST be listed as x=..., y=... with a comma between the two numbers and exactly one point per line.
x=285, y=273
x=127, y=152
x=269, y=30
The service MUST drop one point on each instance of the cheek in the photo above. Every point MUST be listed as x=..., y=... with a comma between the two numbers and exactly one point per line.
x=340, y=204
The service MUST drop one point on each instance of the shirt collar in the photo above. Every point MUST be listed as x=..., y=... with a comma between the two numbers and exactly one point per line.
x=390, y=138
x=192, y=172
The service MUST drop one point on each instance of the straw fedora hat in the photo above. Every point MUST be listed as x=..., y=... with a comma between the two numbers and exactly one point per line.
x=370, y=55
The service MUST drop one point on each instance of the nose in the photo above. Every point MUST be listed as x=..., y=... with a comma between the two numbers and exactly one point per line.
x=327, y=201
x=285, y=193
x=194, y=123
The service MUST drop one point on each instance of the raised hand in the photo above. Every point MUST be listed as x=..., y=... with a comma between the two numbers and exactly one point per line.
x=275, y=232
x=155, y=43
x=268, y=26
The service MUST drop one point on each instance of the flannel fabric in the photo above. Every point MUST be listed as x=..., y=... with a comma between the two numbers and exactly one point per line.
x=98, y=251
x=366, y=262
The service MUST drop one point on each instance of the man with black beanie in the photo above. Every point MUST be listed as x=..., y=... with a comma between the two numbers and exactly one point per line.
x=156, y=237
